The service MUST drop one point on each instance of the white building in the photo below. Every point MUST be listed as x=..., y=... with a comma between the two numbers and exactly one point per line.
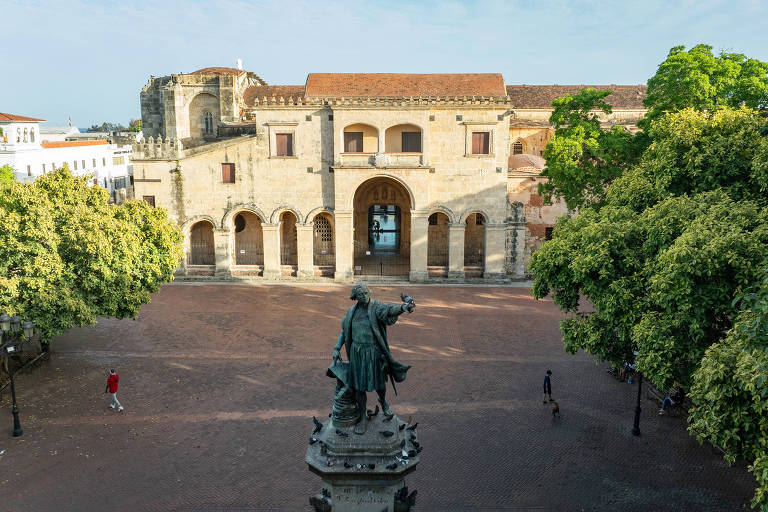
x=22, y=149
x=57, y=133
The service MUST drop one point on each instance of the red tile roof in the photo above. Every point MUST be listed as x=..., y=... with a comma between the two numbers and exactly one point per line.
x=14, y=117
x=73, y=143
x=524, y=161
x=260, y=91
x=217, y=71
x=541, y=96
x=388, y=85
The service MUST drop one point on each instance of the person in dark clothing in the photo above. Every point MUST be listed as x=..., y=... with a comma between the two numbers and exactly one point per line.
x=548, y=386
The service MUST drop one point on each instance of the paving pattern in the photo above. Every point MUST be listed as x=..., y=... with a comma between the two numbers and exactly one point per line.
x=220, y=383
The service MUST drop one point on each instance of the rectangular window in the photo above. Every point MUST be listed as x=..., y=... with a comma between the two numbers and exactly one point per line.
x=118, y=160
x=53, y=166
x=29, y=170
x=548, y=233
x=131, y=177
x=120, y=182
x=104, y=162
x=411, y=142
x=284, y=144
x=353, y=142
x=75, y=162
x=150, y=200
x=481, y=143
x=227, y=173
x=43, y=167
x=94, y=163
x=96, y=181
x=83, y=164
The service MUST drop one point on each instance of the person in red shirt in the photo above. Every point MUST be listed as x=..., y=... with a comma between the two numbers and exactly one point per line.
x=112, y=389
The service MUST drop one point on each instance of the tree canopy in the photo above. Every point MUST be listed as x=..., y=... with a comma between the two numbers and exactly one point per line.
x=582, y=158
x=661, y=247
x=7, y=176
x=67, y=257
x=107, y=127
x=697, y=78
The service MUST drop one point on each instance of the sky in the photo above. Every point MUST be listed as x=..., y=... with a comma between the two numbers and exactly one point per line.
x=89, y=60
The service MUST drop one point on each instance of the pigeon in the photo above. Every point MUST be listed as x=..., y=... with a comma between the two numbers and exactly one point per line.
x=413, y=427
x=348, y=465
x=401, y=427
x=415, y=444
x=418, y=450
x=392, y=466
x=371, y=466
x=412, y=453
x=402, y=443
x=312, y=440
x=407, y=299
x=318, y=425
x=388, y=418
x=413, y=437
x=412, y=498
x=341, y=433
x=402, y=494
x=386, y=433
x=373, y=413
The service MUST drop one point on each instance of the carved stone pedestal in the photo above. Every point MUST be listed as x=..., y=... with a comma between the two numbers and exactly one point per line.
x=363, y=473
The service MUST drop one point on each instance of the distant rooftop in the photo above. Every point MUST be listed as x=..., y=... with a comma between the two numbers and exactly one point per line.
x=14, y=117
x=218, y=71
x=541, y=96
x=74, y=143
x=391, y=85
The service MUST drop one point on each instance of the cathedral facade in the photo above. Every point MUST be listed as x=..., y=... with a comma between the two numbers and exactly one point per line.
x=424, y=177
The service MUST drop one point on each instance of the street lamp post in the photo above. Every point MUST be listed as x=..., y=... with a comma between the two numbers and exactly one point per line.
x=16, y=332
x=636, y=427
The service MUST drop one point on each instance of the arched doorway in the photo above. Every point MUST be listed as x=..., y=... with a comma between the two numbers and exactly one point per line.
x=382, y=228
x=249, y=239
x=437, y=245
x=201, y=248
x=474, y=245
x=323, y=245
x=289, y=258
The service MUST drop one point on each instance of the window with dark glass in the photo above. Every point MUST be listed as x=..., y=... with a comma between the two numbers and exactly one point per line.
x=284, y=144
x=517, y=148
x=411, y=142
x=481, y=143
x=150, y=200
x=353, y=142
x=227, y=173
x=548, y=233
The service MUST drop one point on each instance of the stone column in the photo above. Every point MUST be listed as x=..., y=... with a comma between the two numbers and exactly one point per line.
x=419, y=226
x=305, y=245
x=495, y=244
x=456, y=250
x=271, y=233
x=221, y=247
x=345, y=258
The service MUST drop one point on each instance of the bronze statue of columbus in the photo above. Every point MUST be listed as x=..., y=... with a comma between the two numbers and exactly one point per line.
x=364, y=335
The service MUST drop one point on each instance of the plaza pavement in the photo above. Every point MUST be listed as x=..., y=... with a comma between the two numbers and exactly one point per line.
x=220, y=384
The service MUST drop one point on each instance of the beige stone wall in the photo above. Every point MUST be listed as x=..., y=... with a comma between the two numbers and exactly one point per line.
x=200, y=105
x=534, y=140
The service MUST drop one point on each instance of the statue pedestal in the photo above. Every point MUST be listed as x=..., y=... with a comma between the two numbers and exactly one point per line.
x=359, y=487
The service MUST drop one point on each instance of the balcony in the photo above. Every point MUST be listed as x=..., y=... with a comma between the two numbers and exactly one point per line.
x=382, y=160
x=357, y=159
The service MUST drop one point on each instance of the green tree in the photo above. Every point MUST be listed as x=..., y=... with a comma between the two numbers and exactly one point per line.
x=7, y=175
x=582, y=158
x=697, y=78
x=107, y=127
x=730, y=390
x=67, y=257
x=661, y=260
x=134, y=125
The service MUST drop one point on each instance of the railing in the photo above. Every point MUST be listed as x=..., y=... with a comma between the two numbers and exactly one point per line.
x=324, y=257
x=357, y=159
x=405, y=159
x=437, y=254
x=249, y=254
x=201, y=254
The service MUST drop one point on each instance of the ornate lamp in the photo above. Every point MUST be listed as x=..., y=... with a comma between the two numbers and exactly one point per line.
x=15, y=323
x=29, y=329
x=5, y=322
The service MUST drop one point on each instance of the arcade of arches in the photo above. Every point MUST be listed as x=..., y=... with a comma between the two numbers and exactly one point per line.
x=381, y=234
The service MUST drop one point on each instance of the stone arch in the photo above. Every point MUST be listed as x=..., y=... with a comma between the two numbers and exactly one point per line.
x=289, y=254
x=316, y=211
x=438, y=224
x=411, y=197
x=246, y=229
x=470, y=211
x=474, y=240
x=202, y=104
x=324, y=241
x=201, y=248
x=367, y=142
x=443, y=209
x=226, y=220
x=393, y=138
x=187, y=224
x=274, y=218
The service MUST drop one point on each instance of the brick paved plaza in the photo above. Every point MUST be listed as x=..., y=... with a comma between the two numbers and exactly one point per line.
x=220, y=383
